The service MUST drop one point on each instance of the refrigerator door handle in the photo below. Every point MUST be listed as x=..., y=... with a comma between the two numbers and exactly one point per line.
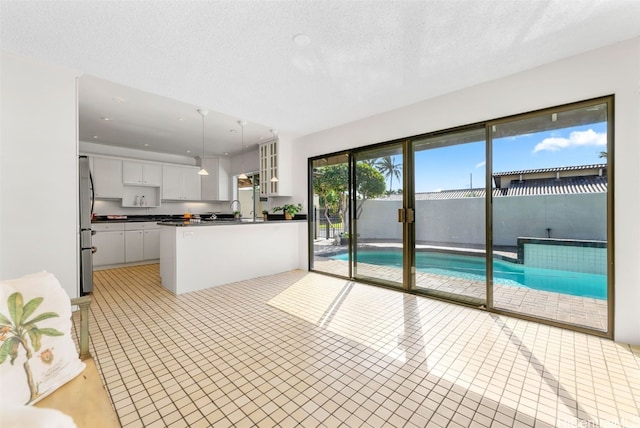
x=93, y=194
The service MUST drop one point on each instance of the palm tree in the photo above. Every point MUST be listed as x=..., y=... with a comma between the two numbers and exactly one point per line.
x=389, y=169
x=15, y=332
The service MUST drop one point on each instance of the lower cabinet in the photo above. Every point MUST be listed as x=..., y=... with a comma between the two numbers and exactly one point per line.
x=151, y=248
x=133, y=246
x=118, y=243
x=109, y=243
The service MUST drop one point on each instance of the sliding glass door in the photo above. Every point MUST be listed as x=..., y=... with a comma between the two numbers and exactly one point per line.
x=377, y=196
x=449, y=179
x=330, y=215
x=550, y=246
x=513, y=215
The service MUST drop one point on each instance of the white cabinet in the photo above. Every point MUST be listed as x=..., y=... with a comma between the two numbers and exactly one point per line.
x=191, y=184
x=152, y=244
x=142, y=182
x=134, y=246
x=275, y=162
x=171, y=182
x=107, y=177
x=217, y=185
x=109, y=243
x=142, y=241
x=180, y=183
x=141, y=173
x=119, y=243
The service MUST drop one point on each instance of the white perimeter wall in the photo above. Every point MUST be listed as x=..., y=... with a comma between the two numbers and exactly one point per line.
x=611, y=70
x=462, y=221
x=38, y=171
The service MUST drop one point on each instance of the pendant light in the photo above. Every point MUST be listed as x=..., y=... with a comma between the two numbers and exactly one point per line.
x=202, y=171
x=274, y=179
x=242, y=175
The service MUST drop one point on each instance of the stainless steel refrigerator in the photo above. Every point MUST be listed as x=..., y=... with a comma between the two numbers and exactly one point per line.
x=87, y=197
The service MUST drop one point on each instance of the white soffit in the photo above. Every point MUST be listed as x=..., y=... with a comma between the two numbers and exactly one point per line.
x=361, y=57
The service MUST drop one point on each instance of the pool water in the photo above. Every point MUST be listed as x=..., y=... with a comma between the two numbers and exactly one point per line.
x=505, y=273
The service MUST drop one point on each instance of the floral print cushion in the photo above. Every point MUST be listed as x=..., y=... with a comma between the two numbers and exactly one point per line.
x=37, y=352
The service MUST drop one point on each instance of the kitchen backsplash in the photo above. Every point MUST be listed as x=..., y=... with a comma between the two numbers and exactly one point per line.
x=103, y=207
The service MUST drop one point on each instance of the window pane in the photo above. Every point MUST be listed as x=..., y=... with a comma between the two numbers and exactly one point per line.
x=330, y=215
x=379, y=190
x=550, y=216
x=450, y=216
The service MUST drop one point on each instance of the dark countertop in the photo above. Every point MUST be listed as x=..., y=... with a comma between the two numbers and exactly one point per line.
x=157, y=217
x=223, y=222
x=179, y=218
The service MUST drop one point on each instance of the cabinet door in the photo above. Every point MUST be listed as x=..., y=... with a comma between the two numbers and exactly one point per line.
x=209, y=183
x=151, y=174
x=273, y=168
x=131, y=172
x=107, y=177
x=171, y=182
x=191, y=186
x=152, y=244
x=134, y=244
x=264, y=170
x=110, y=248
x=217, y=185
x=224, y=180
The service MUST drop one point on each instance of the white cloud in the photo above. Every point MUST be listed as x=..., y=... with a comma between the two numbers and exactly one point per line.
x=481, y=164
x=576, y=138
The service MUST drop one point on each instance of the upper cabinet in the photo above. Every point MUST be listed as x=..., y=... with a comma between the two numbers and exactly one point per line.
x=141, y=173
x=181, y=183
x=107, y=177
x=145, y=184
x=275, y=169
x=217, y=185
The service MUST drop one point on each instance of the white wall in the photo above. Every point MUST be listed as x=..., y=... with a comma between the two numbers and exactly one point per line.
x=611, y=70
x=38, y=171
x=462, y=221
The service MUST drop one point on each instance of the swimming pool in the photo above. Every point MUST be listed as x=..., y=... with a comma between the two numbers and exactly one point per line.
x=505, y=273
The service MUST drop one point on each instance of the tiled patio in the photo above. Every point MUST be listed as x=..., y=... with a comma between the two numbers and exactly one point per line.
x=304, y=349
x=580, y=311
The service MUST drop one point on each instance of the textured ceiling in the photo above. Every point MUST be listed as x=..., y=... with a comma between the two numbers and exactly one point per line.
x=364, y=57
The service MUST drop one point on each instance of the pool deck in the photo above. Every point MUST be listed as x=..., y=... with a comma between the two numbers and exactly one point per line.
x=580, y=311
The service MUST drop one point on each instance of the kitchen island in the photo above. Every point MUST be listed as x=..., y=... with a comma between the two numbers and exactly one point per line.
x=195, y=256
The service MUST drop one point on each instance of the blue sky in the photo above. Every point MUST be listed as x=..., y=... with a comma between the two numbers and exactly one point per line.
x=451, y=167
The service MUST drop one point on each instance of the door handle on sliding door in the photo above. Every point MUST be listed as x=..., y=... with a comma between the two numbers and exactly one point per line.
x=405, y=215
x=409, y=215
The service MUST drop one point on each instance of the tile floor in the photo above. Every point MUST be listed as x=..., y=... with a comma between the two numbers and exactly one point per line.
x=303, y=349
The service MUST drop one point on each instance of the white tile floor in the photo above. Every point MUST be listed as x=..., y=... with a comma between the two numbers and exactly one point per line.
x=303, y=349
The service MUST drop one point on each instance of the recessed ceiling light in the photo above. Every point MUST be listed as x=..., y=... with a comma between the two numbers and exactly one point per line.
x=146, y=144
x=105, y=118
x=95, y=137
x=117, y=100
x=181, y=119
x=301, y=39
x=226, y=153
x=188, y=151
